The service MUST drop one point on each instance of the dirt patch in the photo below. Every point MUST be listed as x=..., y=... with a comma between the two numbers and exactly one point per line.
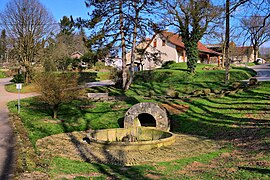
x=152, y=176
x=73, y=176
x=119, y=106
x=52, y=121
x=175, y=108
x=34, y=175
x=228, y=164
x=72, y=145
x=263, y=116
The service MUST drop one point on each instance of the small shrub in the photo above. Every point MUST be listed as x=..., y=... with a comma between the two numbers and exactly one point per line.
x=100, y=65
x=172, y=92
x=151, y=93
x=56, y=89
x=18, y=78
x=167, y=64
x=116, y=76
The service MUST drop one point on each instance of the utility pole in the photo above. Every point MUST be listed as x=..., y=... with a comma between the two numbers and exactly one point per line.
x=227, y=43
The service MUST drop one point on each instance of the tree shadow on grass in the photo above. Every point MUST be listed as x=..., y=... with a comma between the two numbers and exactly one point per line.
x=112, y=171
x=206, y=117
x=258, y=170
x=85, y=77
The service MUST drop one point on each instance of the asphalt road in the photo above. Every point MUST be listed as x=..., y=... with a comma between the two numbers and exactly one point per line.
x=263, y=72
x=100, y=83
x=7, y=140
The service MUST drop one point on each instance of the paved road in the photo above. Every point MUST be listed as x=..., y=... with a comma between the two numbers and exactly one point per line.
x=7, y=140
x=100, y=83
x=263, y=72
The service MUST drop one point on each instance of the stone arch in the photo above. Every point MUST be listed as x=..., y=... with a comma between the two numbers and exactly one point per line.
x=147, y=120
x=132, y=116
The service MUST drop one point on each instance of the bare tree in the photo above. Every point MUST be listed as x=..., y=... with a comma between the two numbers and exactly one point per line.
x=140, y=25
x=192, y=19
x=265, y=53
x=122, y=23
x=231, y=7
x=257, y=30
x=28, y=25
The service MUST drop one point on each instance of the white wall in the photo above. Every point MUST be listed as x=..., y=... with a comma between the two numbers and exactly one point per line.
x=168, y=52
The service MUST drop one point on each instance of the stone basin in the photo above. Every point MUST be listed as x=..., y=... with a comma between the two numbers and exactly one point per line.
x=139, y=138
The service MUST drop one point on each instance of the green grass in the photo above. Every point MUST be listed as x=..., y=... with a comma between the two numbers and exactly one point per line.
x=166, y=170
x=103, y=75
x=70, y=118
x=83, y=77
x=238, y=116
x=2, y=74
x=178, y=79
x=25, y=88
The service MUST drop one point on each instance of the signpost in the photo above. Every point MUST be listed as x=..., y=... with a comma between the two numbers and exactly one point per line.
x=19, y=87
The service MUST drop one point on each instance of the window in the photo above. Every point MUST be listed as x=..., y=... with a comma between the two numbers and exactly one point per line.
x=155, y=43
x=163, y=42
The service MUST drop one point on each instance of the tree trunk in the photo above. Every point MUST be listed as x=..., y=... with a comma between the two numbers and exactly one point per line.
x=223, y=55
x=134, y=44
x=192, y=55
x=27, y=70
x=55, y=111
x=227, y=43
x=255, y=49
x=26, y=77
x=123, y=46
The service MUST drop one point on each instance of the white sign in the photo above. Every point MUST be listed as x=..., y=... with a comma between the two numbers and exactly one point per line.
x=18, y=86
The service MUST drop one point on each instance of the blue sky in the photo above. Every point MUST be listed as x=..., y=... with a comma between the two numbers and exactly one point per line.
x=76, y=8
x=60, y=8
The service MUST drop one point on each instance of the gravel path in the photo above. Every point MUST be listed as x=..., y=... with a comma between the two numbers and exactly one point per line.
x=7, y=140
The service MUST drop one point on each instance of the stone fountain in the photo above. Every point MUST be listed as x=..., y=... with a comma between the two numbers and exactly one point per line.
x=146, y=126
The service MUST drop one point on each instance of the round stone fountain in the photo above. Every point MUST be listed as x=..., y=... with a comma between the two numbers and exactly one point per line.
x=146, y=127
x=140, y=138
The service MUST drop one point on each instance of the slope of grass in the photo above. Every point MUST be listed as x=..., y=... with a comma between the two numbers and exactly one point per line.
x=240, y=122
x=177, y=77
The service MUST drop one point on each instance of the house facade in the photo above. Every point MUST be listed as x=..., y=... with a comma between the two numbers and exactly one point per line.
x=115, y=62
x=241, y=54
x=76, y=55
x=238, y=54
x=168, y=46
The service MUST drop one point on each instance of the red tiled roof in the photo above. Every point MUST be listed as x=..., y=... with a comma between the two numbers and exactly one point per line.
x=173, y=38
x=177, y=40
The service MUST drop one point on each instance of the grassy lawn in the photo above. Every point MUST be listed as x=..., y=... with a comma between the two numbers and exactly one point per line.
x=25, y=88
x=239, y=123
x=83, y=78
x=2, y=73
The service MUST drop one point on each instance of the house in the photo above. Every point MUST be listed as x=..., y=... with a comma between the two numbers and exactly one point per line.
x=238, y=54
x=215, y=47
x=76, y=55
x=168, y=46
x=241, y=54
x=115, y=62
